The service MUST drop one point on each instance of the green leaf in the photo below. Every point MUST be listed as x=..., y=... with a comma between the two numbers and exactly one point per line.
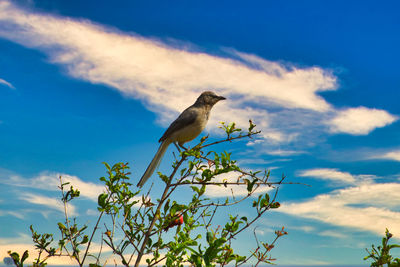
x=166, y=206
x=102, y=200
x=266, y=197
x=107, y=166
x=61, y=226
x=202, y=190
x=183, y=171
x=219, y=242
x=207, y=257
x=264, y=201
x=24, y=256
x=209, y=237
x=196, y=189
x=85, y=239
x=163, y=177
x=191, y=165
x=14, y=256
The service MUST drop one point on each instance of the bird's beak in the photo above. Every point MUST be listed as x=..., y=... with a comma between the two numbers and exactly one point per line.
x=221, y=98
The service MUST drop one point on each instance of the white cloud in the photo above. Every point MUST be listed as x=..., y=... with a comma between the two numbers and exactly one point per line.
x=360, y=121
x=313, y=230
x=4, y=82
x=231, y=190
x=51, y=181
x=304, y=228
x=311, y=262
x=391, y=155
x=92, y=212
x=283, y=99
x=333, y=234
x=21, y=237
x=50, y=202
x=21, y=213
x=150, y=69
x=329, y=174
x=284, y=153
x=159, y=74
x=365, y=207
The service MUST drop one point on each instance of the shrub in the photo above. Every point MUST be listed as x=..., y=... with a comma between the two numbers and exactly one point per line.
x=133, y=225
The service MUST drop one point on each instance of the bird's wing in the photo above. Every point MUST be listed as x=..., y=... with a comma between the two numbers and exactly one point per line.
x=187, y=117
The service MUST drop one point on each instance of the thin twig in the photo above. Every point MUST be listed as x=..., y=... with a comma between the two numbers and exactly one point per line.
x=75, y=253
x=229, y=139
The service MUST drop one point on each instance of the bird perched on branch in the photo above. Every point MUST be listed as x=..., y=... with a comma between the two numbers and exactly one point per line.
x=185, y=128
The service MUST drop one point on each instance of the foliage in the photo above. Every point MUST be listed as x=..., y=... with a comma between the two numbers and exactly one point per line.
x=381, y=254
x=136, y=225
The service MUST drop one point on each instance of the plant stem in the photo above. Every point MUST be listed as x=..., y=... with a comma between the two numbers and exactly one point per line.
x=153, y=222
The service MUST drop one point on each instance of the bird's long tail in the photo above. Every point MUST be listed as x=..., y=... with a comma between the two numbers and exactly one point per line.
x=154, y=163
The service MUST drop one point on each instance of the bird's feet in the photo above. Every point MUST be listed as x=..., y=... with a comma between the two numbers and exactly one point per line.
x=179, y=146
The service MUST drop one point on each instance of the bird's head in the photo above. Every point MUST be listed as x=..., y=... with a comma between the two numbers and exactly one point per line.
x=209, y=98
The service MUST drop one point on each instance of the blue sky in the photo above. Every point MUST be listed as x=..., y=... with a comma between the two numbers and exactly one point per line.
x=82, y=82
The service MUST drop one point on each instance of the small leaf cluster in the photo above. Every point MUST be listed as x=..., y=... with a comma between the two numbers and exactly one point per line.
x=71, y=233
x=381, y=254
x=70, y=194
x=263, y=203
x=17, y=260
x=118, y=193
x=230, y=129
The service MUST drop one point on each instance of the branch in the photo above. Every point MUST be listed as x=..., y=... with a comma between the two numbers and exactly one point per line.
x=153, y=222
x=229, y=139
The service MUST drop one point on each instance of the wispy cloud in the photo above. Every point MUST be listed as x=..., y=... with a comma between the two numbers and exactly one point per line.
x=148, y=69
x=329, y=174
x=313, y=230
x=304, y=228
x=8, y=84
x=333, y=234
x=389, y=155
x=360, y=121
x=305, y=262
x=231, y=190
x=354, y=207
x=282, y=98
x=51, y=181
x=284, y=153
x=337, y=176
x=50, y=202
x=19, y=213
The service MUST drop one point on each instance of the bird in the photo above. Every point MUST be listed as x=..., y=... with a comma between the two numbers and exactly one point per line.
x=189, y=124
